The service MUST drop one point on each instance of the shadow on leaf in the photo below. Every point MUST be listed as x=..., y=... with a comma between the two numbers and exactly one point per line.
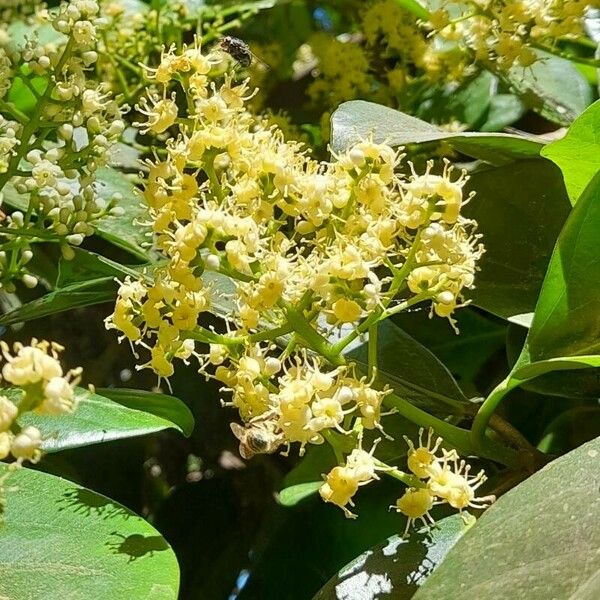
x=137, y=545
x=88, y=503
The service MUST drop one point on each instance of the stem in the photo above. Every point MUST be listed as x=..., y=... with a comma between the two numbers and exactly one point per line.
x=485, y=412
x=372, y=351
x=409, y=480
x=456, y=436
x=314, y=339
x=568, y=55
x=29, y=129
x=9, y=107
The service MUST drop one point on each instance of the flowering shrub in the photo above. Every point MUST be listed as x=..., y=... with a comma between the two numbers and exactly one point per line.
x=333, y=316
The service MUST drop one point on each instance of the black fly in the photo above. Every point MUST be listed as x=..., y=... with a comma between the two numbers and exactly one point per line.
x=238, y=49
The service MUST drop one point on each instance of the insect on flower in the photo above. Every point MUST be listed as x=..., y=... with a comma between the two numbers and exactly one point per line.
x=258, y=436
x=240, y=51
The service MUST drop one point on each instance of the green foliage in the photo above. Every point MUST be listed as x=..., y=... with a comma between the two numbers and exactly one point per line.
x=63, y=540
x=397, y=567
x=111, y=414
x=357, y=119
x=578, y=152
x=539, y=540
x=511, y=382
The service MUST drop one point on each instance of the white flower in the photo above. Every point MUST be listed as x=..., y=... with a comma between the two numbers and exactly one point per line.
x=26, y=445
x=58, y=397
x=8, y=412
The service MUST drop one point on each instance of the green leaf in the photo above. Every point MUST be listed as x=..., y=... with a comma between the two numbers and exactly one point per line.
x=99, y=419
x=396, y=568
x=578, y=153
x=124, y=231
x=565, y=325
x=290, y=496
x=85, y=280
x=465, y=355
x=412, y=370
x=504, y=110
x=22, y=97
x=414, y=7
x=552, y=87
x=86, y=265
x=161, y=405
x=96, y=291
x=467, y=104
x=357, y=119
x=60, y=540
x=519, y=209
x=540, y=540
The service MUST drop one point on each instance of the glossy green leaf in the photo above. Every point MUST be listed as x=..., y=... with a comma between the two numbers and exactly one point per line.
x=60, y=540
x=412, y=370
x=96, y=291
x=552, y=86
x=290, y=496
x=99, y=419
x=578, y=153
x=468, y=103
x=520, y=210
x=85, y=280
x=566, y=324
x=124, y=231
x=357, y=119
x=540, y=540
x=161, y=405
x=396, y=568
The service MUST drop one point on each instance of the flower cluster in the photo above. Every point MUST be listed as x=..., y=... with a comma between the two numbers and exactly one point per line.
x=309, y=247
x=436, y=477
x=135, y=33
x=51, y=156
x=507, y=32
x=443, y=478
x=392, y=53
x=45, y=389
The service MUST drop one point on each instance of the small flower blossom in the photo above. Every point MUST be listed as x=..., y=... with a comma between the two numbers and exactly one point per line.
x=26, y=445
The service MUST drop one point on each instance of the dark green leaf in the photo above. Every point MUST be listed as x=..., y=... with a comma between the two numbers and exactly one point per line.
x=99, y=419
x=553, y=87
x=357, y=119
x=578, y=153
x=396, y=568
x=86, y=265
x=85, y=280
x=464, y=355
x=467, y=104
x=566, y=325
x=96, y=291
x=412, y=370
x=60, y=540
x=520, y=209
x=540, y=540
x=504, y=110
x=161, y=405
